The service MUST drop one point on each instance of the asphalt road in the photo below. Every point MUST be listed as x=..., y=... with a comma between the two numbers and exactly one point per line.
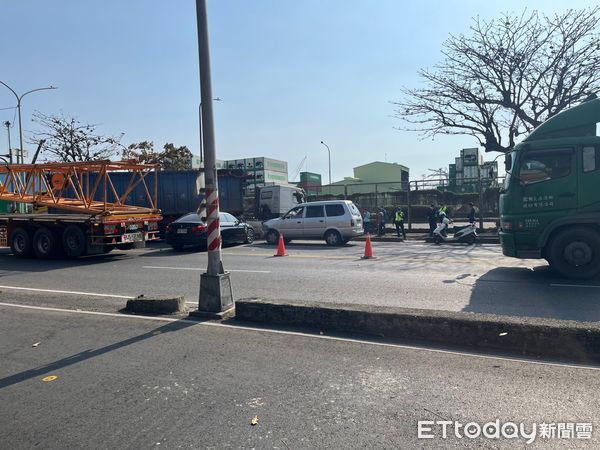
x=410, y=274
x=131, y=382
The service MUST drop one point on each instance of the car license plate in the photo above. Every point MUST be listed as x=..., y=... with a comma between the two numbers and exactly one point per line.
x=181, y=230
x=132, y=237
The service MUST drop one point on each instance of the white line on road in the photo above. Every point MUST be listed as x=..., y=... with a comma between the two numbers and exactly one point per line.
x=307, y=335
x=52, y=291
x=575, y=285
x=200, y=268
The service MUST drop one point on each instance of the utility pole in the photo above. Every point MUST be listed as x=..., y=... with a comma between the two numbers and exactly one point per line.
x=216, y=295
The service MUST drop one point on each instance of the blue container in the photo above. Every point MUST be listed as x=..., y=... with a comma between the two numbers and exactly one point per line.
x=176, y=191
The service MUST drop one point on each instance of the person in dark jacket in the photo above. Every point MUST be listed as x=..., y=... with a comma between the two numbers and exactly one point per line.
x=471, y=213
x=432, y=214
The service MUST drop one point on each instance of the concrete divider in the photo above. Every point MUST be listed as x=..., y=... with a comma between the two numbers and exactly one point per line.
x=538, y=337
x=156, y=305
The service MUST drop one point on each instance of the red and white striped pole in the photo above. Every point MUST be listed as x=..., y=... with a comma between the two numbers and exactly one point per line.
x=212, y=214
x=216, y=297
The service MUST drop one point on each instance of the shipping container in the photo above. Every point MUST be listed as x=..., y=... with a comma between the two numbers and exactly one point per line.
x=178, y=191
x=459, y=164
x=310, y=177
x=274, y=165
x=470, y=172
x=470, y=156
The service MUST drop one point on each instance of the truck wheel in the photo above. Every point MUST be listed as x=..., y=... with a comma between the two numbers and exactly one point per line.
x=333, y=238
x=272, y=237
x=73, y=240
x=20, y=243
x=575, y=253
x=44, y=243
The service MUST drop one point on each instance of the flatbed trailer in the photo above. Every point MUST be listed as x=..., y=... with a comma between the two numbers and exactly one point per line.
x=86, y=213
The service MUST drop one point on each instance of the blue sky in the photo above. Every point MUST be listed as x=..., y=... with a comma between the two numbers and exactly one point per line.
x=290, y=73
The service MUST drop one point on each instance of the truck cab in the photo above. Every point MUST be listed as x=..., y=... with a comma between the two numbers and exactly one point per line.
x=550, y=203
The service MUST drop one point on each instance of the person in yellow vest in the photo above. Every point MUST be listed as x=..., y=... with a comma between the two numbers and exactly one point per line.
x=399, y=222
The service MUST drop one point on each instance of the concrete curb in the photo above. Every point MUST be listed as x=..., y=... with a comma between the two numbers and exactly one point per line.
x=156, y=305
x=538, y=337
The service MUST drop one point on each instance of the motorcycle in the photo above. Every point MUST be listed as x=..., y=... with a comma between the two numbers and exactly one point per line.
x=466, y=235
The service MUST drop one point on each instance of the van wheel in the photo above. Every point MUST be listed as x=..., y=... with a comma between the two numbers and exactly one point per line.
x=44, y=243
x=575, y=253
x=20, y=243
x=333, y=238
x=73, y=240
x=272, y=237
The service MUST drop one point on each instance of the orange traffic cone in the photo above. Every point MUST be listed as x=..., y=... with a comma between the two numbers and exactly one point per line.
x=281, y=247
x=368, y=248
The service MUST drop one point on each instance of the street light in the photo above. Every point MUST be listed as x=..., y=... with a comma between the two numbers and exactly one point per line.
x=329, y=153
x=7, y=125
x=19, y=98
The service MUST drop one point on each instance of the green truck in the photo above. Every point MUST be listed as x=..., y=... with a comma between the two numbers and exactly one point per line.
x=550, y=202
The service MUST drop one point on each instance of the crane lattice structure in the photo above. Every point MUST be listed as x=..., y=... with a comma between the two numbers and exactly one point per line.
x=79, y=187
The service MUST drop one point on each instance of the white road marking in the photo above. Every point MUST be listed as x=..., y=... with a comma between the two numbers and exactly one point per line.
x=201, y=268
x=52, y=291
x=306, y=335
x=575, y=285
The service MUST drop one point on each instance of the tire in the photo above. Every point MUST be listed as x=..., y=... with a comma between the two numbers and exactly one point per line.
x=575, y=253
x=249, y=236
x=437, y=240
x=73, y=241
x=272, y=237
x=20, y=243
x=333, y=238
x=45, y=243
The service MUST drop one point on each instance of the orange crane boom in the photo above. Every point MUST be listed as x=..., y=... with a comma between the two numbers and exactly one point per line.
x=80, y=187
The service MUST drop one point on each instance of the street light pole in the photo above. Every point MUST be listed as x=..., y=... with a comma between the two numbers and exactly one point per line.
x=329, y=153
x=216, y=295
x=217, y=99
x=19, y=98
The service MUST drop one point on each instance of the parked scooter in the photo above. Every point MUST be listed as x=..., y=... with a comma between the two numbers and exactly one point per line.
x=466, y=235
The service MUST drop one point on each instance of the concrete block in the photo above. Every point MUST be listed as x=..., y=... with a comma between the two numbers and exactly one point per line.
x=156, y=305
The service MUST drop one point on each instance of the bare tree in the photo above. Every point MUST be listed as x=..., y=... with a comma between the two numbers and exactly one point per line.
x=69, y=140
x=506, y=77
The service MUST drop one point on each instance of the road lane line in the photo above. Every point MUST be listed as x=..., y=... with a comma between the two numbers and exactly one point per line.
x=200, y=268
x=574, y=285
x=306, y=335
x=52, y=291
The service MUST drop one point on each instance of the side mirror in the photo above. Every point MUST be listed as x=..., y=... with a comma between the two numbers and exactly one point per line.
x=508, y=162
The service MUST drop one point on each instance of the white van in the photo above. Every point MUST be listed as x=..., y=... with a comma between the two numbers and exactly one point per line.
x=336, y=221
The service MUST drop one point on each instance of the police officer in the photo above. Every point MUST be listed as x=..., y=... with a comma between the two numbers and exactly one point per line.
x=442, y=209
x=399, y=222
